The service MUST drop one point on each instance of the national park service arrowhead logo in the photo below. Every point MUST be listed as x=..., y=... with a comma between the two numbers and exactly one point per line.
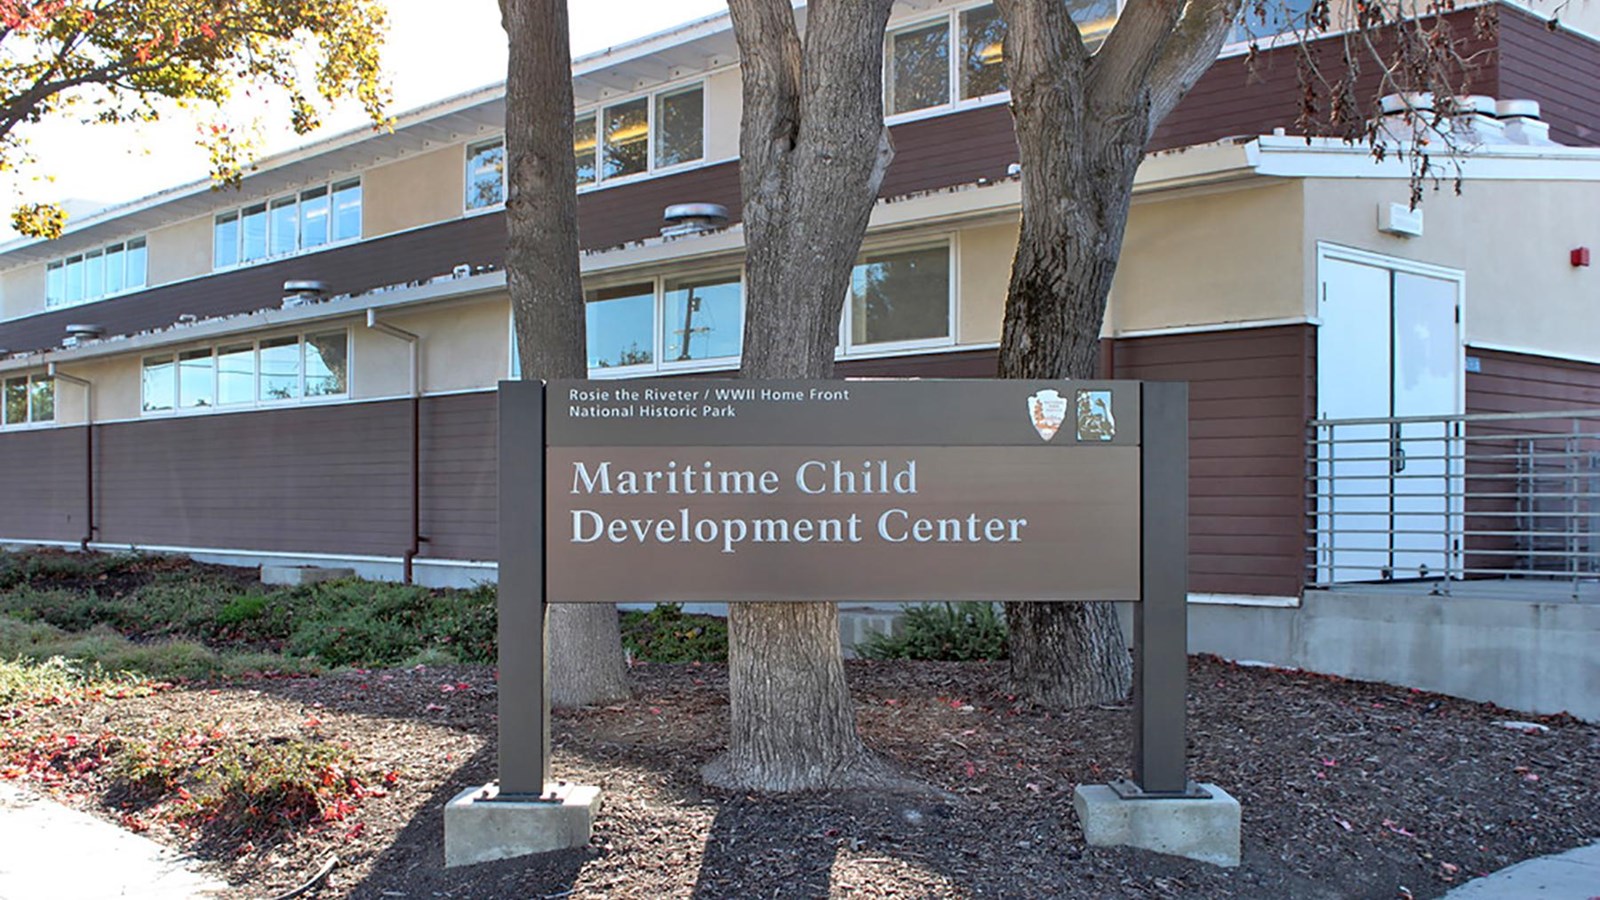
x=1047, y=409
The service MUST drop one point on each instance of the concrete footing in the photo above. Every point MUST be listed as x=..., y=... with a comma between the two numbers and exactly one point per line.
x=478, y=827
x=293, y=575
x=1202, y=829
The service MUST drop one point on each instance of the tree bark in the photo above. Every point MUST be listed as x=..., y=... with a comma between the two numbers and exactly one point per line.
x=1082, y=124
x=813, y=151
x=586, y=662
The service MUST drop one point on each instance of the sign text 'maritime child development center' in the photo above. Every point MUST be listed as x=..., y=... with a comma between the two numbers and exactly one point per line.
x=810, y=477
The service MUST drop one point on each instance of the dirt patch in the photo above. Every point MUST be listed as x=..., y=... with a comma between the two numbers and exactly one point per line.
x=1348, y=789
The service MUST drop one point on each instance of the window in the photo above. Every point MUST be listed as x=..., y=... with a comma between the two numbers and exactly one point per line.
x=288, y=224
x=640, y=135
x=583, y=147
x=272, y=370
x=680, y=127
x=919, y=70
x=619, y=322
x=486, y=174
x=960, y=55
x=28, y=400
x=674, y=322
x=101, y=272
x=628, y=138
x=899, y=298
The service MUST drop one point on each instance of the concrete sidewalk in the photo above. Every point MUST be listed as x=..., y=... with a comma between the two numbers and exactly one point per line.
x=50, y=850
x=1573, y=875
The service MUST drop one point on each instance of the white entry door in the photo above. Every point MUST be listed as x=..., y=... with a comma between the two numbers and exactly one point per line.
x=1389, y=346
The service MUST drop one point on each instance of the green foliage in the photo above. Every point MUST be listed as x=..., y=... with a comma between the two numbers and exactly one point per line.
x=947, y=631
x=171, y=619
x=117, y=62
x=666, y=634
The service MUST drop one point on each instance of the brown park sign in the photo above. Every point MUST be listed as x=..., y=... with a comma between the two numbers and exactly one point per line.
x=741, y=490
x=675, y=490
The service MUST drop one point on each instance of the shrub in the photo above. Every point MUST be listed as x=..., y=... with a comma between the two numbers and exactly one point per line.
x=666, y=634
x=946, y=631
x=207, y=778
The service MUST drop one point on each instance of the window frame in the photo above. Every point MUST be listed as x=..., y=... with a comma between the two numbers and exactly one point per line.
x=267, y=206
x=123, y=248
x=657, y=364
x=30, y=381
x=174, y=357
x=953, y=102
x=849, y=349
x=595, y=113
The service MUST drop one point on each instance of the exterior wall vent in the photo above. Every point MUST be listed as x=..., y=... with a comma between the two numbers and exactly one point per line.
x=691, y=218
x=300, y=293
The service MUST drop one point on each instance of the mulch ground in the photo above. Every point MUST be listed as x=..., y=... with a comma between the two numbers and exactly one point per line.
x=1349, y=790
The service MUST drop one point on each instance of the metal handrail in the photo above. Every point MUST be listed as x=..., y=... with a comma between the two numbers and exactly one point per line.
x=1532, y=495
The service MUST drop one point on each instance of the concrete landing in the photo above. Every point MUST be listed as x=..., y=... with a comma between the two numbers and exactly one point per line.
x=53, y=851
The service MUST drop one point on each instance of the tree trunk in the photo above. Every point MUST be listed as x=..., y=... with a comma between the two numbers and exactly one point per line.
x=1082, y=123
x=813, y=150
x=586, y=663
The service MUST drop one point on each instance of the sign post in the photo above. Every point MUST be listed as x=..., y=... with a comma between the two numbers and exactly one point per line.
x=683, y=490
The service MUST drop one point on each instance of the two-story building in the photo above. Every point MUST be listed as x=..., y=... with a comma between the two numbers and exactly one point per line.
x=303, y=368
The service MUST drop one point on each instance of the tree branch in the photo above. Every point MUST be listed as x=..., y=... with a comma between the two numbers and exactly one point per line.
x=1192, y=50
x=1119, y=74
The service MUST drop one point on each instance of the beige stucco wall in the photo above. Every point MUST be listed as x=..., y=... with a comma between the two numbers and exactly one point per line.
x=417, y=190
x=116, y=389
x=180, y=251
x=1224, y=256
x=22, y=291
x=1512, y=238
x=465, y=346
x=724, y=109
x=984, y=270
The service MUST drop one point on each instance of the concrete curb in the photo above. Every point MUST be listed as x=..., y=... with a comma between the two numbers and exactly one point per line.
x=57, y=852
x=1573, y=875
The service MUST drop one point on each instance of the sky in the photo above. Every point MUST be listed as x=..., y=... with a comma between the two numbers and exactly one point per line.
x=429, y=56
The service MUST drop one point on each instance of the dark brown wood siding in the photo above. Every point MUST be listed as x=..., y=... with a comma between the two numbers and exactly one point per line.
x=1558, y=68
x=308, y=479
x=459, y=499
x=45, y=484
x=1501, y=474
x=1251, y=393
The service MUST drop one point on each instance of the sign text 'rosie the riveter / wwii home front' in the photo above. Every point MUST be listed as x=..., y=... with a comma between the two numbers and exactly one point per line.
x=873, y=490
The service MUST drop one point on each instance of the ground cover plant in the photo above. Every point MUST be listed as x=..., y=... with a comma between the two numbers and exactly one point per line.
x=169, y=617
x=1349, y=790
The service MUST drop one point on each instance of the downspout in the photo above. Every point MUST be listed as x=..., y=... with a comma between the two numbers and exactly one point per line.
x=415, y=547
x=88, y=448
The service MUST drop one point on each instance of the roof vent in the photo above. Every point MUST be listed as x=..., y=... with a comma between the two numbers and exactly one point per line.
x=80, y=332
x=691, y=218
x=1522, y=122
x=299, y=293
